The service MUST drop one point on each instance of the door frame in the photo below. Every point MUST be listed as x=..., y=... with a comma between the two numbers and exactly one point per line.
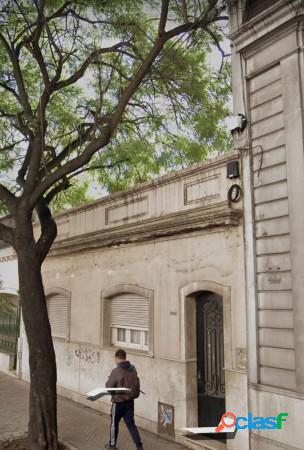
x=14, y=300
x=188, y=339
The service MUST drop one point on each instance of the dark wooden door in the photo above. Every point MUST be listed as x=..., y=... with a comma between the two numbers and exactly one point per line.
x=210, y=359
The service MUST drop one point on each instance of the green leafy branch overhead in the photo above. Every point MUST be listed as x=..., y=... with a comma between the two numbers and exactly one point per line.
x=120, y=91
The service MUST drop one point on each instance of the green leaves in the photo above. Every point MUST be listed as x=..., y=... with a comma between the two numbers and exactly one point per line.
x=75, y=60
x=127, y=162
x=77, y=194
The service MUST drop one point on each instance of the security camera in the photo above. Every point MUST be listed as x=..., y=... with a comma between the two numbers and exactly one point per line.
x=237, y=123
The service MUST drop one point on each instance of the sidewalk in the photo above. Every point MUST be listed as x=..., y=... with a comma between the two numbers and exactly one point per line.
x=82, y=427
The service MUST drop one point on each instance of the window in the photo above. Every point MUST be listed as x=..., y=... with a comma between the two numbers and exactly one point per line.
x=58, y=306
x=136, y=337
x=121, y=334
x=255, y=7
x=127, y=316
x=130, y=321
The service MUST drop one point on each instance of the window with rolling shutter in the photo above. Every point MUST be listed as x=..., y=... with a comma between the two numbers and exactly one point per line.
x=58, y=306
x=130, y=321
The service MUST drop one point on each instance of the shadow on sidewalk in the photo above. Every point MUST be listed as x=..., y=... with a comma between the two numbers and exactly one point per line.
x=82, y=427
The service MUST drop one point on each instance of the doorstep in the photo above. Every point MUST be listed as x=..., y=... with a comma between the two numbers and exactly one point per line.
x=204, y=444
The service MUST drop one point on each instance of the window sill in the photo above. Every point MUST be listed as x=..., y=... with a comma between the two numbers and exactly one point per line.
x=129, y=351
x=59, y=339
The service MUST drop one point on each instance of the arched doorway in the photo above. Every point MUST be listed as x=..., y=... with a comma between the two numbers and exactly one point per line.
x=198, y=300
x=210, y=358
x=9, y=327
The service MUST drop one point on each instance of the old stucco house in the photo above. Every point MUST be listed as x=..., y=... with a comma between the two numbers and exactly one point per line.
x=202, y=284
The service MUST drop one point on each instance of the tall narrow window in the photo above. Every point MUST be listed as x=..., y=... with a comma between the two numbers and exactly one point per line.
x=58, y=306
x=130, y=321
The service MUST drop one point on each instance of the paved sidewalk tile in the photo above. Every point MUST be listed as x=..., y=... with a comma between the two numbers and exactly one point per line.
x=83, y=427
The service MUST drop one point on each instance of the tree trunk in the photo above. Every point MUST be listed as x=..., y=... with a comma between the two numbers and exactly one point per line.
x=43, y=401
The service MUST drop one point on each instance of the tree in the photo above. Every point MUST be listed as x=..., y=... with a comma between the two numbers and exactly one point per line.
x=88, y=86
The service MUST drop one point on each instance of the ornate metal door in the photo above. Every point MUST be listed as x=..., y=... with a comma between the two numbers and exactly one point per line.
x=9, y=325
x=210, y=359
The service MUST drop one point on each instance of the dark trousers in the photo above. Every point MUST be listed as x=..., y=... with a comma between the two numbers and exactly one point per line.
x=124, y=410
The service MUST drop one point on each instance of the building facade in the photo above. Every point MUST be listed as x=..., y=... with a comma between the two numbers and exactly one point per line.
x=159, y=271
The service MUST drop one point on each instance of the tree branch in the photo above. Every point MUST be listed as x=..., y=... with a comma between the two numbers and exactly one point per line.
x=80, y=140
x=22, y=171
x=163, y=17
x=93, y=57
x=57, y=14
x=128, y=92
x=18, y=74
x=62, y=186
x=8, y=199
x=11, y=90
x=71, y=165
x=209, y=17
x=218, y=45
x=136, y=81
x=109, y=124
x=48, y=229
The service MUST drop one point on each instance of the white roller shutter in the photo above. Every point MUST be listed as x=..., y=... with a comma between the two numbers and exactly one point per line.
x=130, y=311
x=58, y=307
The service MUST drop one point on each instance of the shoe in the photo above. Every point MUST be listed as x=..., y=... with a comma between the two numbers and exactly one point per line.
x=140, y=448
x=108, y=447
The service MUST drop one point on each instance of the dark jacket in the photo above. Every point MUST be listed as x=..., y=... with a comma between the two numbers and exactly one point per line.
x=124, y=375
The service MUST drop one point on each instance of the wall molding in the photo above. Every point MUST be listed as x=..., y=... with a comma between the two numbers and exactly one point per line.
x=277, y=445
x=256, y=28
x=186, y=221
x=172, y=177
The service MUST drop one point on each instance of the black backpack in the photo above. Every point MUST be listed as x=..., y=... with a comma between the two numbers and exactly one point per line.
x=131, y=381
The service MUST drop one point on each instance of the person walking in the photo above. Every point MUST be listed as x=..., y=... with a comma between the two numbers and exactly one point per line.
x=124, y=375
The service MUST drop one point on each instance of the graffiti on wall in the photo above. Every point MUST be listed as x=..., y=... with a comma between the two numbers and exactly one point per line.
x=88, y=354
x=69, y=356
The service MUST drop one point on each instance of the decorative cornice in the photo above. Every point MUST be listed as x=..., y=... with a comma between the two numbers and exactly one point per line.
x=196, y=219
x=149, y=185
x=269, y=20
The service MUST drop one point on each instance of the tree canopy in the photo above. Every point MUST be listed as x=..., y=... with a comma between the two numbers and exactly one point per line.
x=118, y=89
x=80, y=83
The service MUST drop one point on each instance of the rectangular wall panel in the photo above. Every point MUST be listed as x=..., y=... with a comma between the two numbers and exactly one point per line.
x=272, y=337
x=278, y=377
x=276, y=357
x=272, y=228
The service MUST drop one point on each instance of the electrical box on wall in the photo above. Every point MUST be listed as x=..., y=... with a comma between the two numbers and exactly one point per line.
x=233, y=169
